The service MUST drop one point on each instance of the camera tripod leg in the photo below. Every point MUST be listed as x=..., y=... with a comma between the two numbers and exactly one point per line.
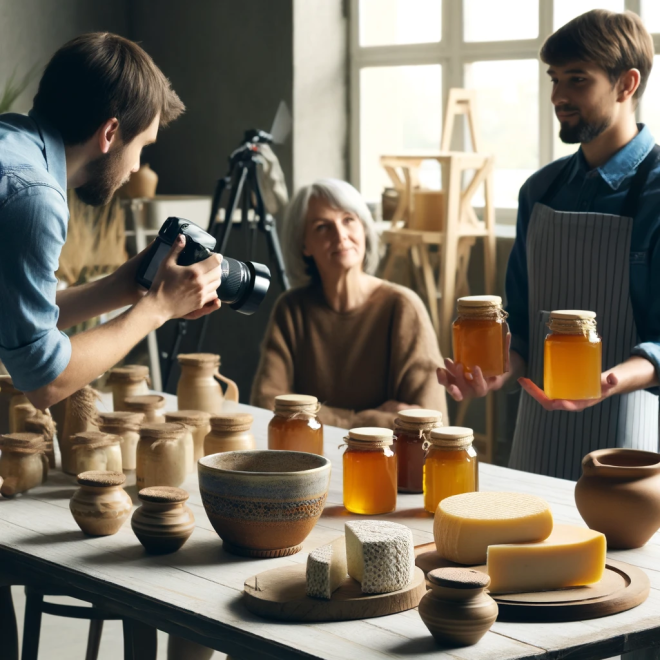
x=274, y=243
x=234, y=197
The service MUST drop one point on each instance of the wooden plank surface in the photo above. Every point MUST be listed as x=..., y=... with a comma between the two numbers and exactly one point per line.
x=196, y=592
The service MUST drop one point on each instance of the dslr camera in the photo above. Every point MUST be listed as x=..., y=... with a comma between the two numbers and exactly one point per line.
x=243, y=285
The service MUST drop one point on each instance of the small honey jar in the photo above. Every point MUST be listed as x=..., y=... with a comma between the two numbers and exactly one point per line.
x=451, y=466
x=411, y=431
x=370, y=475
x=479, y=334
x=572, y=356
x=294, y=426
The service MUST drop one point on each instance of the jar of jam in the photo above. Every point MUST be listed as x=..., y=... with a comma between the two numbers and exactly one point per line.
x=411, y=431
x=294, y=426
x=480, y=335
x=370, y=475
x=229, y=432
x=451, y=466
x=572, y=356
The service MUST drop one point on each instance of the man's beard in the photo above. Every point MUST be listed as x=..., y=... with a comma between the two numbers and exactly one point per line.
x=105, y=175
x=584, y=131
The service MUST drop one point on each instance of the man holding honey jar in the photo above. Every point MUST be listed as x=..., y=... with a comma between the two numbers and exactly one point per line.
x=588, y=238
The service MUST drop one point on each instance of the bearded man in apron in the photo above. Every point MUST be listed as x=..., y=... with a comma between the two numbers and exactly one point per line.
x=588, y=237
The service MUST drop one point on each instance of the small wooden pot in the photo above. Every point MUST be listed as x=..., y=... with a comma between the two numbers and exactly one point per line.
x=163, y=523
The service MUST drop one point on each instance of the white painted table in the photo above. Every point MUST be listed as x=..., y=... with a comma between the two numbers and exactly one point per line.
x=196, y=592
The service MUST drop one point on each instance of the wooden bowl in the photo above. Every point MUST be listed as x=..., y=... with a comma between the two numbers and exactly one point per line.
x=263, y=503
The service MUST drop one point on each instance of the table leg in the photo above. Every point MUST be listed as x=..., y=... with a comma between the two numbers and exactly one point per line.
x=8, y=629
x=140, y=640
x=94, y=639
x=32, y=624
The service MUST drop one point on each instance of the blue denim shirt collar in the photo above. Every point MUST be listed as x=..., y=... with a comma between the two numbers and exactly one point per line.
x=53, y=148
x=624, y=162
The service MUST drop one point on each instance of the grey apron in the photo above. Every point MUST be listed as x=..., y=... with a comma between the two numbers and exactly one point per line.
x=581, y=261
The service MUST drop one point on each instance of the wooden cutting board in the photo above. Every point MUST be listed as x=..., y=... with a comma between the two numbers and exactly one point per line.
x=281, y=594
x=623, y=587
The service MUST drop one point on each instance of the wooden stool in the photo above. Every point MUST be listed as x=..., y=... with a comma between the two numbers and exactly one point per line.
x=139, y=639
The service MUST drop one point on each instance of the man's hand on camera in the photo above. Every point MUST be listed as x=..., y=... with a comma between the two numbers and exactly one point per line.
x=186, y=291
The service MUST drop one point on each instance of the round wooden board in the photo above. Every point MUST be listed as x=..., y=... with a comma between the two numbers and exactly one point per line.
x=281, y=594
x=623, y=587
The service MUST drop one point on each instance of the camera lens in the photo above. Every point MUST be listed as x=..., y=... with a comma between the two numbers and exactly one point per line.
x=243, y=285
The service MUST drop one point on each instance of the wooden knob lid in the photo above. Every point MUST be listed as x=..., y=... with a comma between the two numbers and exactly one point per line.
x=458, y=578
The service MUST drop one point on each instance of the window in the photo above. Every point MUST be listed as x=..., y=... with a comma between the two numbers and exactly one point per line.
x=407, y=54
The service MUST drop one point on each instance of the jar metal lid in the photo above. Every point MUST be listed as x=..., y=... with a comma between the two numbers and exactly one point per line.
x=189, y=417
x=101, y=478
x=420, y=416
x=371, y=434
x=479, y=301
x=225, y=422
x=572, y=314
x=452, y=436
x=198, y=359
x=288, y=400
x=165, y=430
x=145, y=402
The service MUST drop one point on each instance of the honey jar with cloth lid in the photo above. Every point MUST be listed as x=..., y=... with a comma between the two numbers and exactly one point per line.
x=294, y=426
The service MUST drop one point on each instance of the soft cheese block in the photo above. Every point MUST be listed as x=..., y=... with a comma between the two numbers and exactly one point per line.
x=380, y=554
x=326, y=569
x=570, y=557
x=465, y=525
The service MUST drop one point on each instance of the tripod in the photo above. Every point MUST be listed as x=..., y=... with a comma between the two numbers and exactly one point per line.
x=243, y=184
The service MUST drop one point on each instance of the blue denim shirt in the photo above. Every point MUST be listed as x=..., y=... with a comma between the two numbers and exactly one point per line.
x=601, y=190
x=33, y=223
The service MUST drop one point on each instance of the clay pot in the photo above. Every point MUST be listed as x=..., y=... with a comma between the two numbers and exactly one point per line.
x=129, y=380
x=618, y=494
x=126, y=426
x=263, y=503
x=23, y=464
x=456, y=610
x=198, y=388
x=150, y=405
x=142, y=184
x=199, y=426
x=229, y=432
x=100, y=506
x=163, y=523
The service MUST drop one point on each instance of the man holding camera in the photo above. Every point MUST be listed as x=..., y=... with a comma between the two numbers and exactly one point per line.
x=101, y=99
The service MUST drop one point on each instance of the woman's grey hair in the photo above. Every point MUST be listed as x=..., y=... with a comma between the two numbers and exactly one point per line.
x=339, y=195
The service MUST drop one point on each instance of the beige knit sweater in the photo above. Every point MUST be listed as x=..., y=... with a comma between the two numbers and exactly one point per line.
x=386, y=349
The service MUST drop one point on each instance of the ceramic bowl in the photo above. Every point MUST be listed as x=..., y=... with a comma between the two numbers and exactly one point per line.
x=263, y=503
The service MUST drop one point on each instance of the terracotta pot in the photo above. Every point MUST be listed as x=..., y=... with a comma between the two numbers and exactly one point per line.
x=618, y=494
x=198, y=388
x=229, y=432
x=263, y=503
x=456, y=610
x=163, y=523
x=100, y=506
x=23, y=464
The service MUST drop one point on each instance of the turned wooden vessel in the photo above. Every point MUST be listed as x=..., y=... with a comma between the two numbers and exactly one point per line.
x=23, y=464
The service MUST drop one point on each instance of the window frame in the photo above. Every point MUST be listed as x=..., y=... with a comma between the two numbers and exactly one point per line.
x=452, y=53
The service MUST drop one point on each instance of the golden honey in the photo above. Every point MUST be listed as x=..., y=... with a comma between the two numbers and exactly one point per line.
x=370, y=472
x=451, y=466
x=294, y=426
x=572, y=356
x=479, y=335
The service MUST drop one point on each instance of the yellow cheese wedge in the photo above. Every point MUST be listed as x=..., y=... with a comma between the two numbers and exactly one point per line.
x=569, y=557
x=465, y=525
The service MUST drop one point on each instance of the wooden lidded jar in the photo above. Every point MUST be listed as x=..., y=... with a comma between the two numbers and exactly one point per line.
x=129, y=380
x=100, y=506
x=294, y=427
x=163, y=523
x=150, y=405
x=456, y=610
x=23, y=464
x=161, y=455
x=126, y=426
x=198, y=388
x=229, y=432
x=93, y=451
x=198, y=422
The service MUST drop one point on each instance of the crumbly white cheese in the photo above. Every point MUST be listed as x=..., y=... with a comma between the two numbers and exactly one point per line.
x=326, y=569
x=380, y=554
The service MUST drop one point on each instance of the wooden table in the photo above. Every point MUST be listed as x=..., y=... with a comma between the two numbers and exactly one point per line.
x=196, y=592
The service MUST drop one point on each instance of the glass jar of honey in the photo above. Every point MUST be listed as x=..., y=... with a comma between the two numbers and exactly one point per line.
x=370, y=475
x=479, y=335
x=572, y=356
x=294, y=426
x=411, y=431
x=451, y=466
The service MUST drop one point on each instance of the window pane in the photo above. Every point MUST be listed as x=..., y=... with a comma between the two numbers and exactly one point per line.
x=387, y=22
x=651, y=15
x=567, y=10
x=508, y=121
x=486, y=20
x=650, y=103
x=400, y=111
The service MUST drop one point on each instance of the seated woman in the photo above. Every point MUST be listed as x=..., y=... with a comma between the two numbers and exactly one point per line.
x=363, y=346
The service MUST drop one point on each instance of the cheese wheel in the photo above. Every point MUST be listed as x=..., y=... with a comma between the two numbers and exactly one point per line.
x=326, y=569
x=465, y=525
x=570, y=557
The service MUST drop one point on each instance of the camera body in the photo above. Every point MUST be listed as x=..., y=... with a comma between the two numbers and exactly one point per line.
x=243, y=285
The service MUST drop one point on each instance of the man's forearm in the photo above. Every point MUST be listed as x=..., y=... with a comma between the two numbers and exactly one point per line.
x=95, y=351
x=636, y=373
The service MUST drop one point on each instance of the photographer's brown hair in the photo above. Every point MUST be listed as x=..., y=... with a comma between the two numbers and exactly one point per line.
x=616, y=42
x=101, y=76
